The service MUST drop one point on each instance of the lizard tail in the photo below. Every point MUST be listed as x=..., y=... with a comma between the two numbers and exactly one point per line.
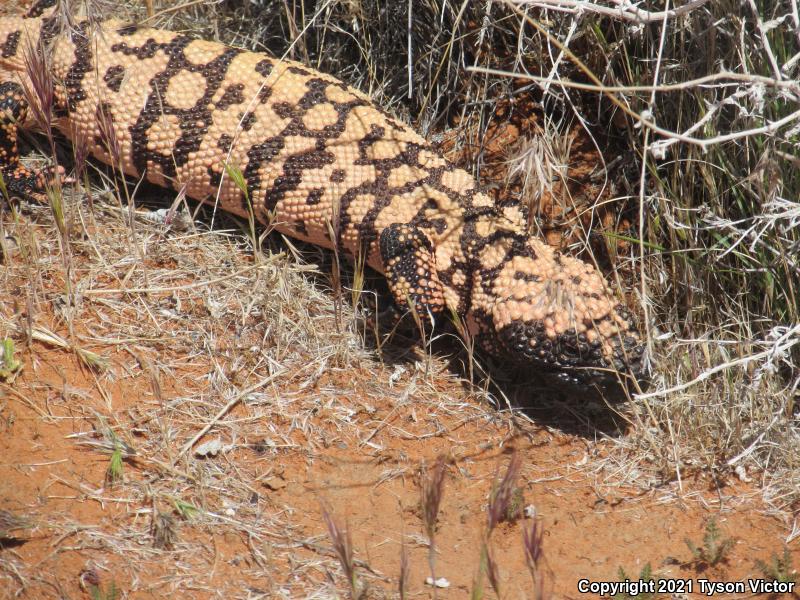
x=18, y=33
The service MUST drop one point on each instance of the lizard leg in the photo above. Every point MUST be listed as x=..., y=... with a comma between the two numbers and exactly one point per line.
x=410, y=268
x=18, y=180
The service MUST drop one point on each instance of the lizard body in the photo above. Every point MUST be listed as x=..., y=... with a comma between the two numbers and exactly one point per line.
x=320, y=163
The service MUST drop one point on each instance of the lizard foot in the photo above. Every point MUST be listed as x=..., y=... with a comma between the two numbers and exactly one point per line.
x=15, y=179
x=410, y=268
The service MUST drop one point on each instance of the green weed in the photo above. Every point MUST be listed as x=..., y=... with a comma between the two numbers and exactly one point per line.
x=715, y=547
x=10, y=366
x=780, y=568
x=646, y=574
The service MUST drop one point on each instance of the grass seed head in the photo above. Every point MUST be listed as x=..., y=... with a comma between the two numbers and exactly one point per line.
x=432, y=494
x=39, y=87
x=504, y=498
x=343, y=547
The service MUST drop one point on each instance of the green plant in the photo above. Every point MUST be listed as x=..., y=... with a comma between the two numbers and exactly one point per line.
x=779, y=568
x=113, y=445
x=715, y=546
x=646, y=574
x=186, y=510
x=111, y=592
x=92, y=360
x=238, y=179
x=9, y=366
x=114, y=469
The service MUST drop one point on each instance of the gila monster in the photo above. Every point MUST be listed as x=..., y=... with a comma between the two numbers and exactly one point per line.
x=320, y=163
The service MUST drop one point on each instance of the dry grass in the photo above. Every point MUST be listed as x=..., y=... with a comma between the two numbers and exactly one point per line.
x=254, y=347
x=248, y=375
x=717, y=232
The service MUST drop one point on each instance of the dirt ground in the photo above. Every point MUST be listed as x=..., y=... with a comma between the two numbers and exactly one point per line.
x=258, y=532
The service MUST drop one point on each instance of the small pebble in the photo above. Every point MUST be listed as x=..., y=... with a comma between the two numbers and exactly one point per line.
x=440, y=582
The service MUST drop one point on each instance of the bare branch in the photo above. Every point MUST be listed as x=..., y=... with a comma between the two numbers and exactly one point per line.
x=624, y=10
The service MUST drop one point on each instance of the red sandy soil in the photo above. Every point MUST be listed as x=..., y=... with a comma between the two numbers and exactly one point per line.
x=592, y=526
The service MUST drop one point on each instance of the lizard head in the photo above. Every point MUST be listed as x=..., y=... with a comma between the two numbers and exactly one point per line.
x=534, y=307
